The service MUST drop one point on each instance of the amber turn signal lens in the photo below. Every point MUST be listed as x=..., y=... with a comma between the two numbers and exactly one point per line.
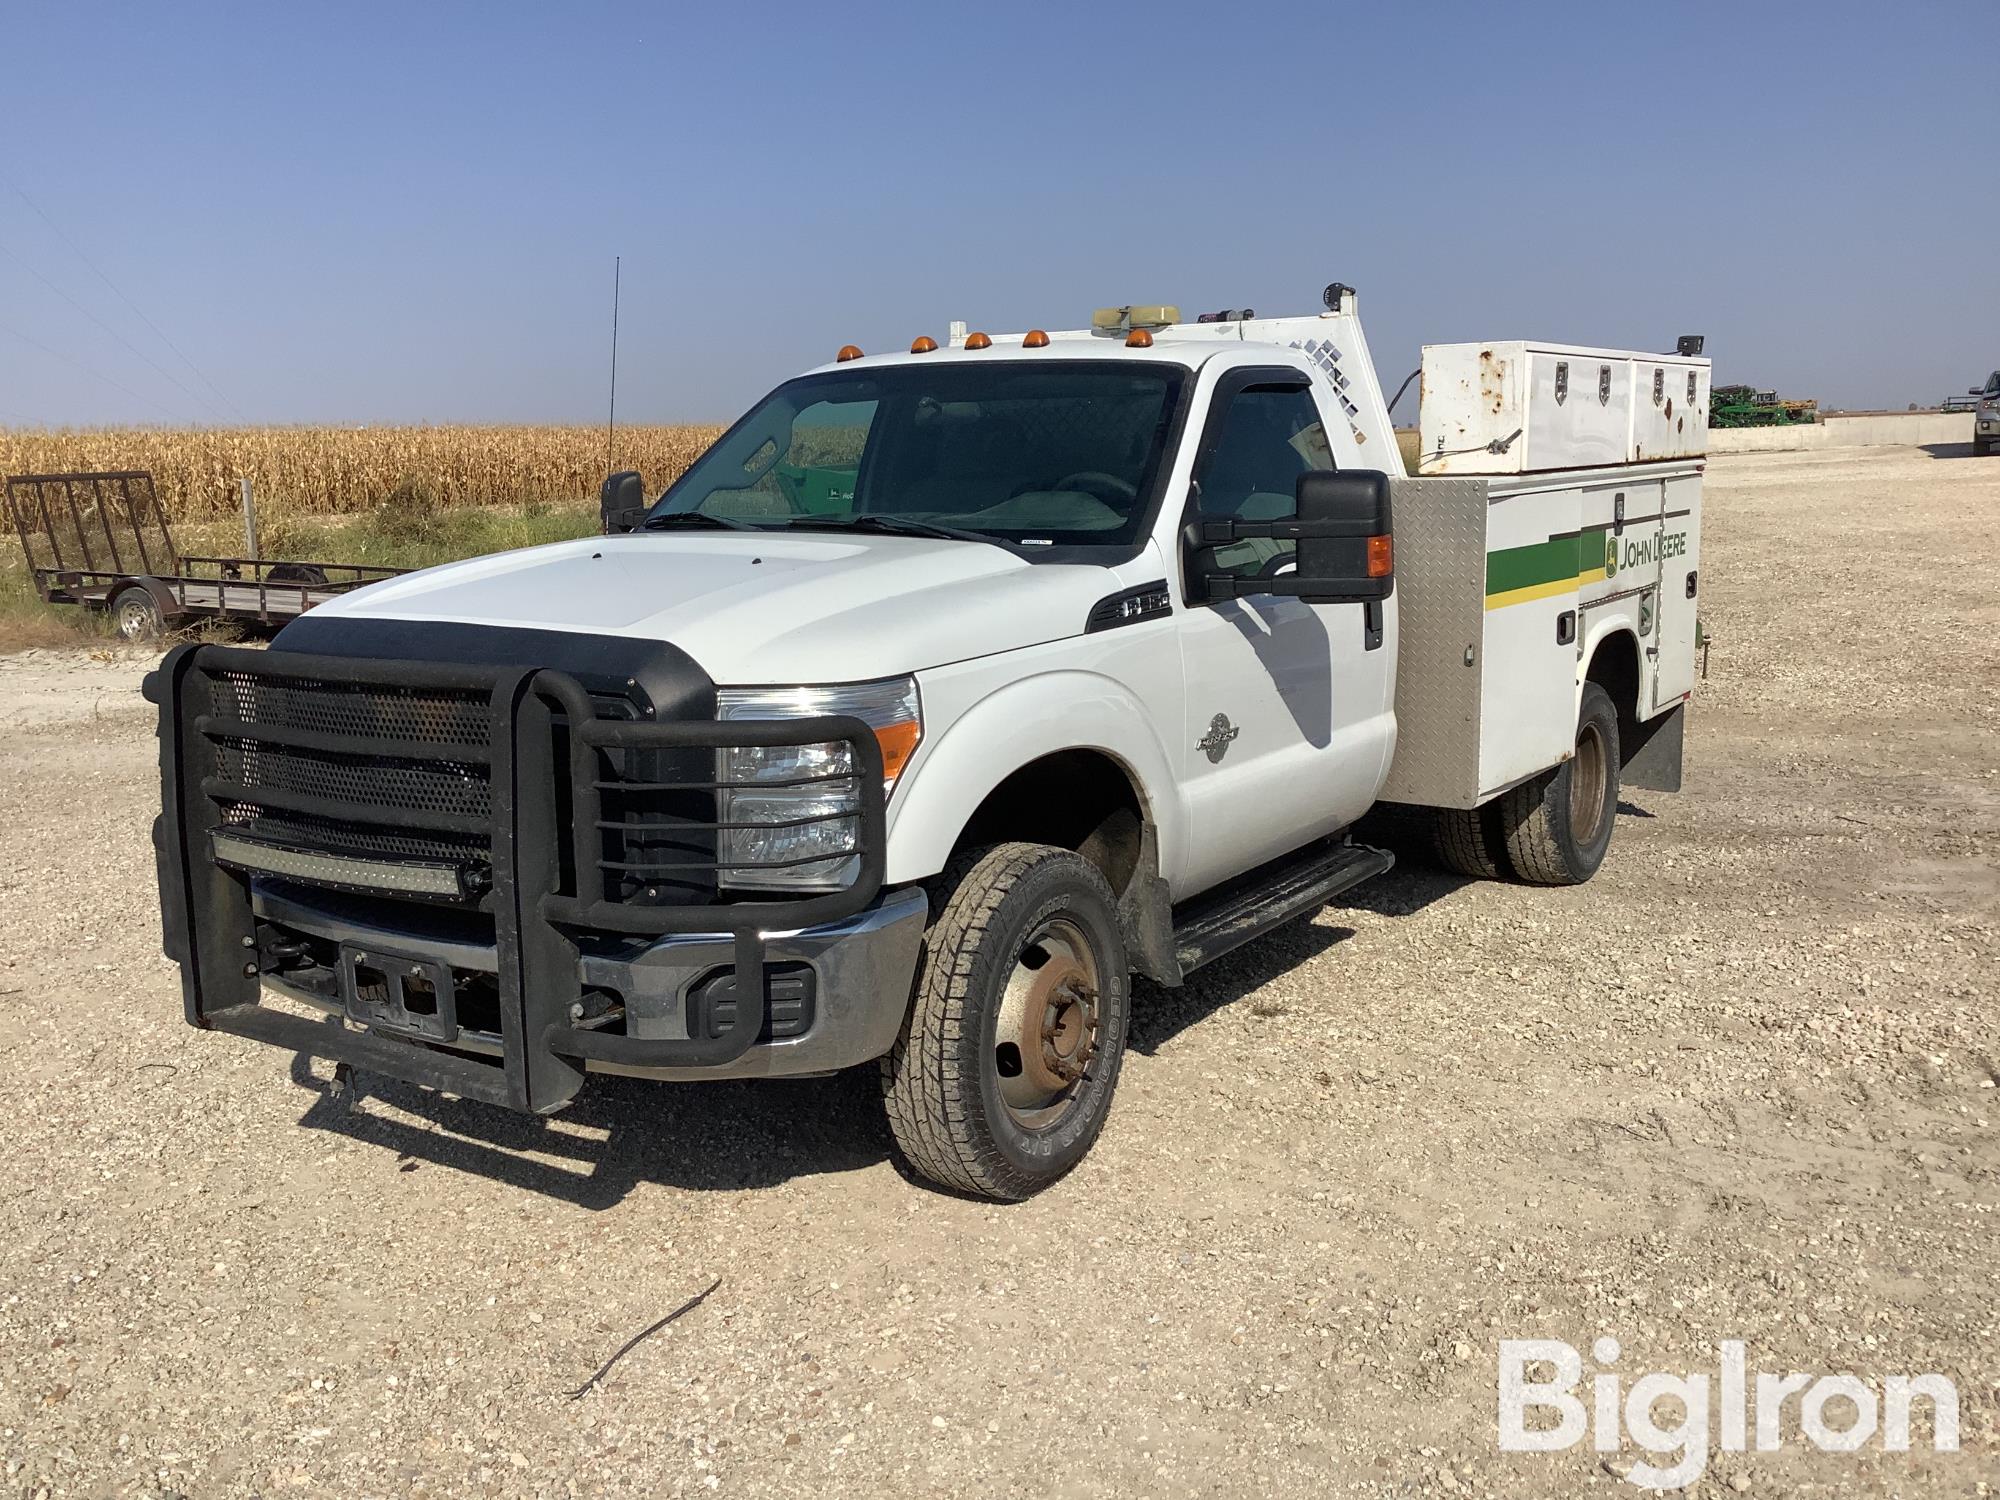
x=1036, y=339
x=979, y=341
x=899, y=743
x=1381, y=556
x=847, y=352
x=1138, y=338
x=923, y=345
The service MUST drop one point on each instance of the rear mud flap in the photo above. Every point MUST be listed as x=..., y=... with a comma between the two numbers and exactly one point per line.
x=1654, y=764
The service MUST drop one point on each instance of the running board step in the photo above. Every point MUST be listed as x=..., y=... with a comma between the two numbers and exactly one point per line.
x=1270, y=896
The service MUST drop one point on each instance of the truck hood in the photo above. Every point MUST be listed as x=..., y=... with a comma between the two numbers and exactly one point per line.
x=753, y=609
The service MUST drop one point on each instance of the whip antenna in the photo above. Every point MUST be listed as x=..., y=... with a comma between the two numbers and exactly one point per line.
x=611, y=421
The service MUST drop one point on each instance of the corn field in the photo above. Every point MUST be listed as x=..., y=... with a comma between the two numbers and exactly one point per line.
x=303, y=471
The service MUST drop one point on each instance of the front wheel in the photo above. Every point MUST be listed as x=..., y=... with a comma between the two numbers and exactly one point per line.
x=1558, y=826
x=1004, y=1072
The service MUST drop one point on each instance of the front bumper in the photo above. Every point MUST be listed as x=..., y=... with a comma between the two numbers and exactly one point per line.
x=547, y=963
x=850, y=981
x=1986, y=423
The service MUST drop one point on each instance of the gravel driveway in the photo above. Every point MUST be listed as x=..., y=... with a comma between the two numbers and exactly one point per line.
x=1741, y=1086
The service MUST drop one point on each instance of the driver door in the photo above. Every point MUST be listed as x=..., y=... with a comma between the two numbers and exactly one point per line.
x=1288, y=721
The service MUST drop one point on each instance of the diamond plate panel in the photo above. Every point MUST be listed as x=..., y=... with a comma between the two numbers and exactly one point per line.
x=1441, y=617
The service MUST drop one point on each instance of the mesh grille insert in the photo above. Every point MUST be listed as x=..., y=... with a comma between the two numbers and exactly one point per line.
x=367, y=800
x=436, y=716
x=368, y=781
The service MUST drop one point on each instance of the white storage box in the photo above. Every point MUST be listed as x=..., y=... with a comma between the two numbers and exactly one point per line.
x=1521, y=408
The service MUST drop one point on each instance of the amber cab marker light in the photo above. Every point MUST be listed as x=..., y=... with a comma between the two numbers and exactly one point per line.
x=1381, y=556
x=847, y=352
x=1138, y=338
x=979, y=341
x=923, y=345
x=1036, y=339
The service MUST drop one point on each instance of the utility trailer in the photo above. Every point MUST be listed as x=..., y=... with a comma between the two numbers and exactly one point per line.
x=102, y=541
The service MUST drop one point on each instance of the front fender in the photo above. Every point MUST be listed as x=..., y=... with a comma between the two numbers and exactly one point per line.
x=1005, y=730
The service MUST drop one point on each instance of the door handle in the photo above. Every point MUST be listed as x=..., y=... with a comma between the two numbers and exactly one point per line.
x=1371, y=625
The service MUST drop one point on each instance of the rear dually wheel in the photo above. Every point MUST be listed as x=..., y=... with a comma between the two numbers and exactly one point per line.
x=1558, y=826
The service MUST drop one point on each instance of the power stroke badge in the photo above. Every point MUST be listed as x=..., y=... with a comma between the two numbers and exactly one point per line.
x=1221, y=735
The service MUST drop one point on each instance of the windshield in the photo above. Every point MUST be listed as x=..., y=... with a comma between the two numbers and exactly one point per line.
x=1048, y=454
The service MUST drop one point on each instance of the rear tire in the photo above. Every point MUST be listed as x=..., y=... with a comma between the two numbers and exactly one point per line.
x=1558, y=826
x=1004, y=1072
x=1467, y=842
x=135, y=614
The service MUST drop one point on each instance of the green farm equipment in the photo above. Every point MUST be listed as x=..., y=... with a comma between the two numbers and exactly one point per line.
x=1746, y=406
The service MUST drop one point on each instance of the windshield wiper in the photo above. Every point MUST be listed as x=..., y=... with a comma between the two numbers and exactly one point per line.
x=889, y=525
x=693, y=518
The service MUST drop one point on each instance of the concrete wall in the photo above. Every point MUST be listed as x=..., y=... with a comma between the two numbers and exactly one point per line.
x=1900, y=429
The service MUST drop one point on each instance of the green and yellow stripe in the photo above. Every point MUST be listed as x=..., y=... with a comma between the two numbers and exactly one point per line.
x=1541, y=570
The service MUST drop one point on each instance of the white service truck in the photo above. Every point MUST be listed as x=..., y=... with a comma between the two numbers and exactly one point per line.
x=947, y=691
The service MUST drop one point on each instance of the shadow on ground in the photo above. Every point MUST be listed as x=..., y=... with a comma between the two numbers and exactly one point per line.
x=620, y=1132
x=729, y=1136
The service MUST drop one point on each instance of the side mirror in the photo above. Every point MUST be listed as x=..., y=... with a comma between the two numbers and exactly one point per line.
x=621, y=504
x=1345, y=554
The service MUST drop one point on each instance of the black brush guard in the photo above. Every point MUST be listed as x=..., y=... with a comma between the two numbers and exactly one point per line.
x=547, y=883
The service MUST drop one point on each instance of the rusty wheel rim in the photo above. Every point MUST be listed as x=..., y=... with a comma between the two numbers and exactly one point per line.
x=1046, y=1037
x=1586, y=785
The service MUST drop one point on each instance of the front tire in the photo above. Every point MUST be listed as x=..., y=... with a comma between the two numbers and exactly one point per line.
x=1004, y=1073
x=1981, y=447
x=1558, y=826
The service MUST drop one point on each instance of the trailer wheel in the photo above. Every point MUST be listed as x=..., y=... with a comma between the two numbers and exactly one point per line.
x=1558, y=826
x=135, y=614
x=1467, y=841
x=1004, y=1072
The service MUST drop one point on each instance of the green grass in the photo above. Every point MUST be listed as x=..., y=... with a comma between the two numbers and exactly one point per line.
x=413, y=532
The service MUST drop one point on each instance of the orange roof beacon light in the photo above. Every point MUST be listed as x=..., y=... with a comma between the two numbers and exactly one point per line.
x=1381, y=556
x=1036, y=339
x=978, y=341
x=924, y=344
x=1138, y=338
x=847, y=352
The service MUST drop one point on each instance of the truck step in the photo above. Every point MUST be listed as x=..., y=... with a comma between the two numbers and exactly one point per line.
x=1269, y=896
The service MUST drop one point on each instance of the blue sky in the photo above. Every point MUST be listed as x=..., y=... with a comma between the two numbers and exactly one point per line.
x=391, y=213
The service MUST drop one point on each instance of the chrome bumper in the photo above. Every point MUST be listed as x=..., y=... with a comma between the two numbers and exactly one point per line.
x=862, y=971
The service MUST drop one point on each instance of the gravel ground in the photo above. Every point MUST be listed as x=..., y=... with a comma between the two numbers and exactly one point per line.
x=1741, y=1086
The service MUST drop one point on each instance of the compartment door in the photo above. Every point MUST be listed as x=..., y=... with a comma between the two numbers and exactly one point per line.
x=1579, y=406
x=1672, y=648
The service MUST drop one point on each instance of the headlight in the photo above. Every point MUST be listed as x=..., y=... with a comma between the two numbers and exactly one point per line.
x=803, y=823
